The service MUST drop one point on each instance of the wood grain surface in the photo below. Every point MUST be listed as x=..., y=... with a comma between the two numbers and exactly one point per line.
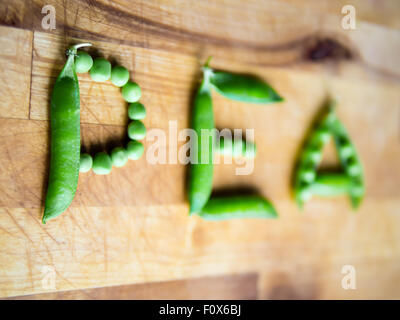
x=132, y=226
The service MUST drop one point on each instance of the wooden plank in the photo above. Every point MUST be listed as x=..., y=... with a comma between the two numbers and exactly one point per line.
x=95, y=247
x=17, y=13
x=230, y=287
x=132, y=226
x=382, y=12
x=22, y=14
x=15, y=63
x=200, y=28
x=99, y=212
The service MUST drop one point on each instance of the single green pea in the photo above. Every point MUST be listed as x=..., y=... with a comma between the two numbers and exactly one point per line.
x=101, y=70
x=83, y=62
x=353, y=167
x=304, y=195
x=307, y=174
x=131, y=91
x=136, y=130
x=102, y=163
x=346, y=150
x=134, y=150
x=119, y=157
x=320, y=136
x=313, y=156
x=119, y=76
x=136, y=111
x=86, y=162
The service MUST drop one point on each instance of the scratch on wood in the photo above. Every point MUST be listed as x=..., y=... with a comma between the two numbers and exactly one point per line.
x=42, y=227
x=17, y=224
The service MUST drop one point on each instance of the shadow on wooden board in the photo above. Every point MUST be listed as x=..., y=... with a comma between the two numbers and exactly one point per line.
x=231, y=287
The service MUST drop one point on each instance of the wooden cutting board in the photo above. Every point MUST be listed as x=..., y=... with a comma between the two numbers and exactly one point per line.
x=132, y=226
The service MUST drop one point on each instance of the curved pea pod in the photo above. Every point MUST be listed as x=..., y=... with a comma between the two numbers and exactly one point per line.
x=239, y=207
x=350, y=162
x=310, y=158
x=201, y=168
x=244, y=88
x=331, y=184
x=308, y=182
x=65, y=140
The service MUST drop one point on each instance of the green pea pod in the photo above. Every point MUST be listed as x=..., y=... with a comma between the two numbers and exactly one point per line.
x=331, y=184
x=201, y=171
x=309, y=182
x=350, y=162
x=310, y=158
x=244, y=88
x=65, y=140
x=223, y=208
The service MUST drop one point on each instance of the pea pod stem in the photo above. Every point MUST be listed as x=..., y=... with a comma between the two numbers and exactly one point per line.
x=72, y=50
x=207, y=63
x=81, y=45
